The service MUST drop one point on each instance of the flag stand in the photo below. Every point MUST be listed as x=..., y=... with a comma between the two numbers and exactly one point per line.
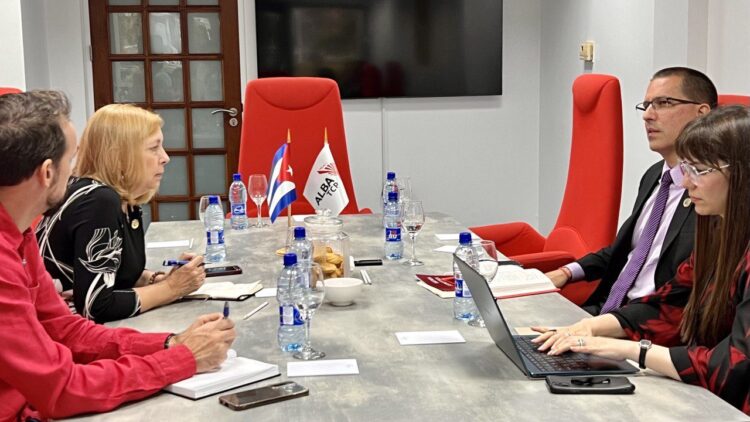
x=289, y=233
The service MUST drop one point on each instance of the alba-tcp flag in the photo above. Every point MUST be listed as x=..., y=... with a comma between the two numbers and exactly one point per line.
x=281, y=190
x=324, y=188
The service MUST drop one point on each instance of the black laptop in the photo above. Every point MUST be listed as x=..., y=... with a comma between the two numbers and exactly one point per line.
x=521, y=350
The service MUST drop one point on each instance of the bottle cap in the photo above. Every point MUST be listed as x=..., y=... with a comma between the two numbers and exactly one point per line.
x=464, y=238
x=237, y=177
x=213, y=199
x=390, y=175
x=290, y=259
x=392, y=196
x=299, y=232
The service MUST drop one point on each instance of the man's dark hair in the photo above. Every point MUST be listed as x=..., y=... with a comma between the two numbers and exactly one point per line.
x=695, y=85
x=30, y=132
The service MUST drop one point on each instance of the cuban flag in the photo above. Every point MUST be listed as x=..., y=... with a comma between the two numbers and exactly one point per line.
x=281, y=190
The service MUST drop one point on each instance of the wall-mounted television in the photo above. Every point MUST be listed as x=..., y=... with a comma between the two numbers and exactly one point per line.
x=385, y=48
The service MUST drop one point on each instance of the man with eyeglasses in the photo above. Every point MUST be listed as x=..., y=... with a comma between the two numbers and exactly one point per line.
x=659, y=234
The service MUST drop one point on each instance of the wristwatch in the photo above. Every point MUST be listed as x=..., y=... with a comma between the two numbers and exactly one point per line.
x=645, y=345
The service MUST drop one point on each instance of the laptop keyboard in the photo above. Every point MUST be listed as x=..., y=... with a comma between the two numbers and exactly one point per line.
x=566, y=362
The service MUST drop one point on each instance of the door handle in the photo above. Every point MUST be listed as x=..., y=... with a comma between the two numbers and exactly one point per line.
x=232, y=111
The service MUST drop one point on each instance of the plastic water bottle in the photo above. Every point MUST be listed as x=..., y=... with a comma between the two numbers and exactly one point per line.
x=394, y=247
x=291, y=333
x=237, y=201
x=216, y=250
x=463, y=305
x=391, y=185
x=302, y=247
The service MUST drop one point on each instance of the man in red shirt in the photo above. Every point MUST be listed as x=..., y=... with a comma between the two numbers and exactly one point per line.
x=53, y=363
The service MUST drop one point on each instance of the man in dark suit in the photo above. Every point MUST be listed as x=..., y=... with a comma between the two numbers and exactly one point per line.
x=648, y=249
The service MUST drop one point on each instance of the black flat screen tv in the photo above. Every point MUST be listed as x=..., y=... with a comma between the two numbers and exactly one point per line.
x=385, y=48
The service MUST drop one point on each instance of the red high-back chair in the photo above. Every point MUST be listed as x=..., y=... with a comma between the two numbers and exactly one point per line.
x=590, y=208
x=8, y=90
x=305, y=106
x=729, y=99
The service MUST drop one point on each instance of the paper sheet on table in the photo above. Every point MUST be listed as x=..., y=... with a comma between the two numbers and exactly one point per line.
x=447, y=236
x=267, y=292
x=446, y=248
x=300, y=218
x=429, y=337
x=186, y=243
x=322, y=367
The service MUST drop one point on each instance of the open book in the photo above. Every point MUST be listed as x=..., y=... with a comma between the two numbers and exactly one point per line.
x=234, y=372
x=510, y=281
x=225, y=290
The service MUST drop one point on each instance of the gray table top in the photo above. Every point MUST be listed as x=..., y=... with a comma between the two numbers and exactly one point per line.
x=469, y=381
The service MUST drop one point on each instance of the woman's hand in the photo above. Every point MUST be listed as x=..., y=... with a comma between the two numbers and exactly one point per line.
x=599, y=346
x=550, y=337
x=187, y=278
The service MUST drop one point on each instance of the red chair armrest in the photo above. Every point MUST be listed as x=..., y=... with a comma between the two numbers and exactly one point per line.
x=512, y=238
x=365, y=211
x=579, y=291
x=544, y=261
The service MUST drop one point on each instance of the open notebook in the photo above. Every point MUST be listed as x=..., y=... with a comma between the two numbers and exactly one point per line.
x=234, y=372
x=510, y=281
x=225, y=290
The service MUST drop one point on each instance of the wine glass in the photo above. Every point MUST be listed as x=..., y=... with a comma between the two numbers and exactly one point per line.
x=202, y=205
x=404, y=189
x=487, y=258
x=412, y=220
x=257, y=185
x=308, y=296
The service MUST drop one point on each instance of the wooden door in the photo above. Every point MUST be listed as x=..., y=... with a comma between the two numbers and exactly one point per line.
x=179, y=58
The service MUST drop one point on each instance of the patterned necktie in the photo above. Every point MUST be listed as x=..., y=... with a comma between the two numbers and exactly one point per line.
x=642, y=248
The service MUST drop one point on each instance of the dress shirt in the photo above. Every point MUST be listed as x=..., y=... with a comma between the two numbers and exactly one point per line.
x=644, y=284
x=55, y=364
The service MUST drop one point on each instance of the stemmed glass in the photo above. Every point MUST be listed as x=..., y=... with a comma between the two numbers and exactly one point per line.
x=308, y=296
x=404, y=189
x=412, y=220
x=202, y=205
x=487, y=257
x=257, y=185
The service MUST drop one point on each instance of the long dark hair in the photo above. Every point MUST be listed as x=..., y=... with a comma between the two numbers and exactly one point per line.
x=720, y=137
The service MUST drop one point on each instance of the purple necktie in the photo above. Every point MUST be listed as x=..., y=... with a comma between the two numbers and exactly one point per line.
x=635, y=264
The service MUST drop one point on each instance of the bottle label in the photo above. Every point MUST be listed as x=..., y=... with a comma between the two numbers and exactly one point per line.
x=215, y=237
x=289, y=315
x=238, y=209
x=392, y=234
x=462, y=290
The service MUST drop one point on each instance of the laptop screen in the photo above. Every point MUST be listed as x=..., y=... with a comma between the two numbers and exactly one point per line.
x=493, y=318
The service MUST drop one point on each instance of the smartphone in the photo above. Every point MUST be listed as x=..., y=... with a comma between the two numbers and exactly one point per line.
x=228, y=270
x=600, y=384
x=263, y=395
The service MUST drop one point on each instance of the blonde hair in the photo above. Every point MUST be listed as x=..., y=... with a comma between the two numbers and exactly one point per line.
x=112, y=148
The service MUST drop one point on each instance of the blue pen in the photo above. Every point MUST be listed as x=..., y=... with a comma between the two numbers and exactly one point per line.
x=226, y=309
x=173, y=262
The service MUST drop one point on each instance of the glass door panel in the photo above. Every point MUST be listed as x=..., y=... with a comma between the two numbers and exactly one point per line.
x=128, y=83
x=208, y=129
x=125, y=33
x=205, y=80
x=165, y=33
x=175, y=180
x=204, y=33
x=205, y=167
x=174, y=128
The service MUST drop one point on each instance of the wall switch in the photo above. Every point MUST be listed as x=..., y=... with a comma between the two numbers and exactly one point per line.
x=587, y=51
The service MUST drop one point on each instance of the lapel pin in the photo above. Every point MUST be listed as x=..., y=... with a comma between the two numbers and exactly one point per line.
x=686, y=203
x=135, y=223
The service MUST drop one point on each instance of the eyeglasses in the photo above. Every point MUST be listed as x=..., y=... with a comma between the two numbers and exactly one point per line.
x=694, y=174
x=660, y=103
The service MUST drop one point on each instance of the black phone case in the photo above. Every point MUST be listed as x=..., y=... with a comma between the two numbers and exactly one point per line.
x=228, y=401
x=599, y=384
x=219, y=271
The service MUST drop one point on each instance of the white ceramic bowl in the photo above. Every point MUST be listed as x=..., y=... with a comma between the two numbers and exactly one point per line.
x=342, y=291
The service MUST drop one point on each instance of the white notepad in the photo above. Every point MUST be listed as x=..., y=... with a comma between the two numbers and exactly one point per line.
x=447, y=236
x=233, y=373
x=186, y=243
x=446, y=248
x=225, y=290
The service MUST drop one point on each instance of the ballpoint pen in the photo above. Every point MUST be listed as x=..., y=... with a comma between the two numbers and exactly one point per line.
x=254, y=311
x=226, y=309
x=174, y=262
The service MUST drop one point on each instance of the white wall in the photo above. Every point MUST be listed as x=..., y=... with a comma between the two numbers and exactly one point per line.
x=11, y=48
x=729, y=41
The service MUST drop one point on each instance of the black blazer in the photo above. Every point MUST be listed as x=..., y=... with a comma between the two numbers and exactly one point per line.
x=607, y=263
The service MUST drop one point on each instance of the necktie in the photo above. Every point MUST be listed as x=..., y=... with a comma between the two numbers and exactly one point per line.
x=642, y=248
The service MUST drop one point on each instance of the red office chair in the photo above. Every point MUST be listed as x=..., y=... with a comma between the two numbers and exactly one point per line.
x=305, y=106
x=729, y=99
x=7, y=90
x=588, y=215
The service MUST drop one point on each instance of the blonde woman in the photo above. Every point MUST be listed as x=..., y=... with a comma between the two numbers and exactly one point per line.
x=93, y=242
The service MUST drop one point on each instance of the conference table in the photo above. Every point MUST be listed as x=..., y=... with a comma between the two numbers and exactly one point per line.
x=464, y=381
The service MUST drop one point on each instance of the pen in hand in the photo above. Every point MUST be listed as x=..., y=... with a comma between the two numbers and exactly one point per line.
x=226, y=309
x=178, y=263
